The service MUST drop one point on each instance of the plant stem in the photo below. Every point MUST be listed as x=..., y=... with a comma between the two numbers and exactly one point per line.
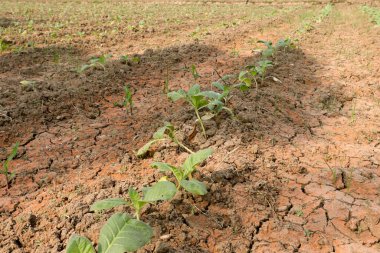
x=257, y=85
x=183, y=146
x=200, y=122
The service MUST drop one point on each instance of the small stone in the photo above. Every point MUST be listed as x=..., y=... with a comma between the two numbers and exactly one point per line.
x=166, y=237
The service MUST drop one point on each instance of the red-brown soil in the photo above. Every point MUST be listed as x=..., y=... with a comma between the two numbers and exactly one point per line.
x=297, y=172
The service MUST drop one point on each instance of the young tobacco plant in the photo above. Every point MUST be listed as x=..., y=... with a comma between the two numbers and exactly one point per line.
x=211, y=100
x=123, y=233
x=5, y=171
x=124, y=59
x=254, y=72
x=269, y=51
x=285, y=44
x=128, y=102
x=95, y=62
x=167, y=132
x=120, y=234
x=262, y=67
x=183, y=174
x=162, y=190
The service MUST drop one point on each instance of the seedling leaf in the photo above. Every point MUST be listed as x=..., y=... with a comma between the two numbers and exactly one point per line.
x=79, y=244
x=107, y=204
x=166, y=167
x=194, y=90
x=159, y=134
x=210, y=94
x=123, y=234
x=195, y=159
x=9, y=175
x=218, y=85
x=144, y=149
x=14, y=152
x=135, y=198
x=194, y=186
x=162, y=190
x=163, y=167
x=176, y=95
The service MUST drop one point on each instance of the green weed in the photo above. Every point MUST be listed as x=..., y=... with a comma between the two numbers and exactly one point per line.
x=373, y=13
x=4, y=45
x=5, y=171
x=128, y=102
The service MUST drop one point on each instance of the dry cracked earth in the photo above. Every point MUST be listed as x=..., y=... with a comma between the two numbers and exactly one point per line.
x=298, y=171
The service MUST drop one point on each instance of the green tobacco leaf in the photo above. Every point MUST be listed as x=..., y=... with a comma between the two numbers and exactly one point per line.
x=243, y=78
x=167, y=167
x=218, y=85
x=79, y=244
x=194, y=90
x=210, y=94
x=107, y=204
x=195, y=159
x=266, y=43
x=170, y=130
x=194, y=186
x=241, y=86
x=268, y=52
x=135, y=198
x=265, y=63
x=123, y=234
x=144, y=149
x=159, y=134
x=176, y=95
x=84, y=68
x=198, y=101
x=162, y=190
x=215, y=105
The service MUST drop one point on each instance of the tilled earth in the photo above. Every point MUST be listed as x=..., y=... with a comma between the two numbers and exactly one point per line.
x=296, y=171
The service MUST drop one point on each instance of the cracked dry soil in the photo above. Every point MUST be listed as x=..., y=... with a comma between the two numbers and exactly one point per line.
x=299, y=171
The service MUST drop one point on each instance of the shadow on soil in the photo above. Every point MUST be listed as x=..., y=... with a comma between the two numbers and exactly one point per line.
x=5, y=22
x=61, y=102
x=59, y=94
